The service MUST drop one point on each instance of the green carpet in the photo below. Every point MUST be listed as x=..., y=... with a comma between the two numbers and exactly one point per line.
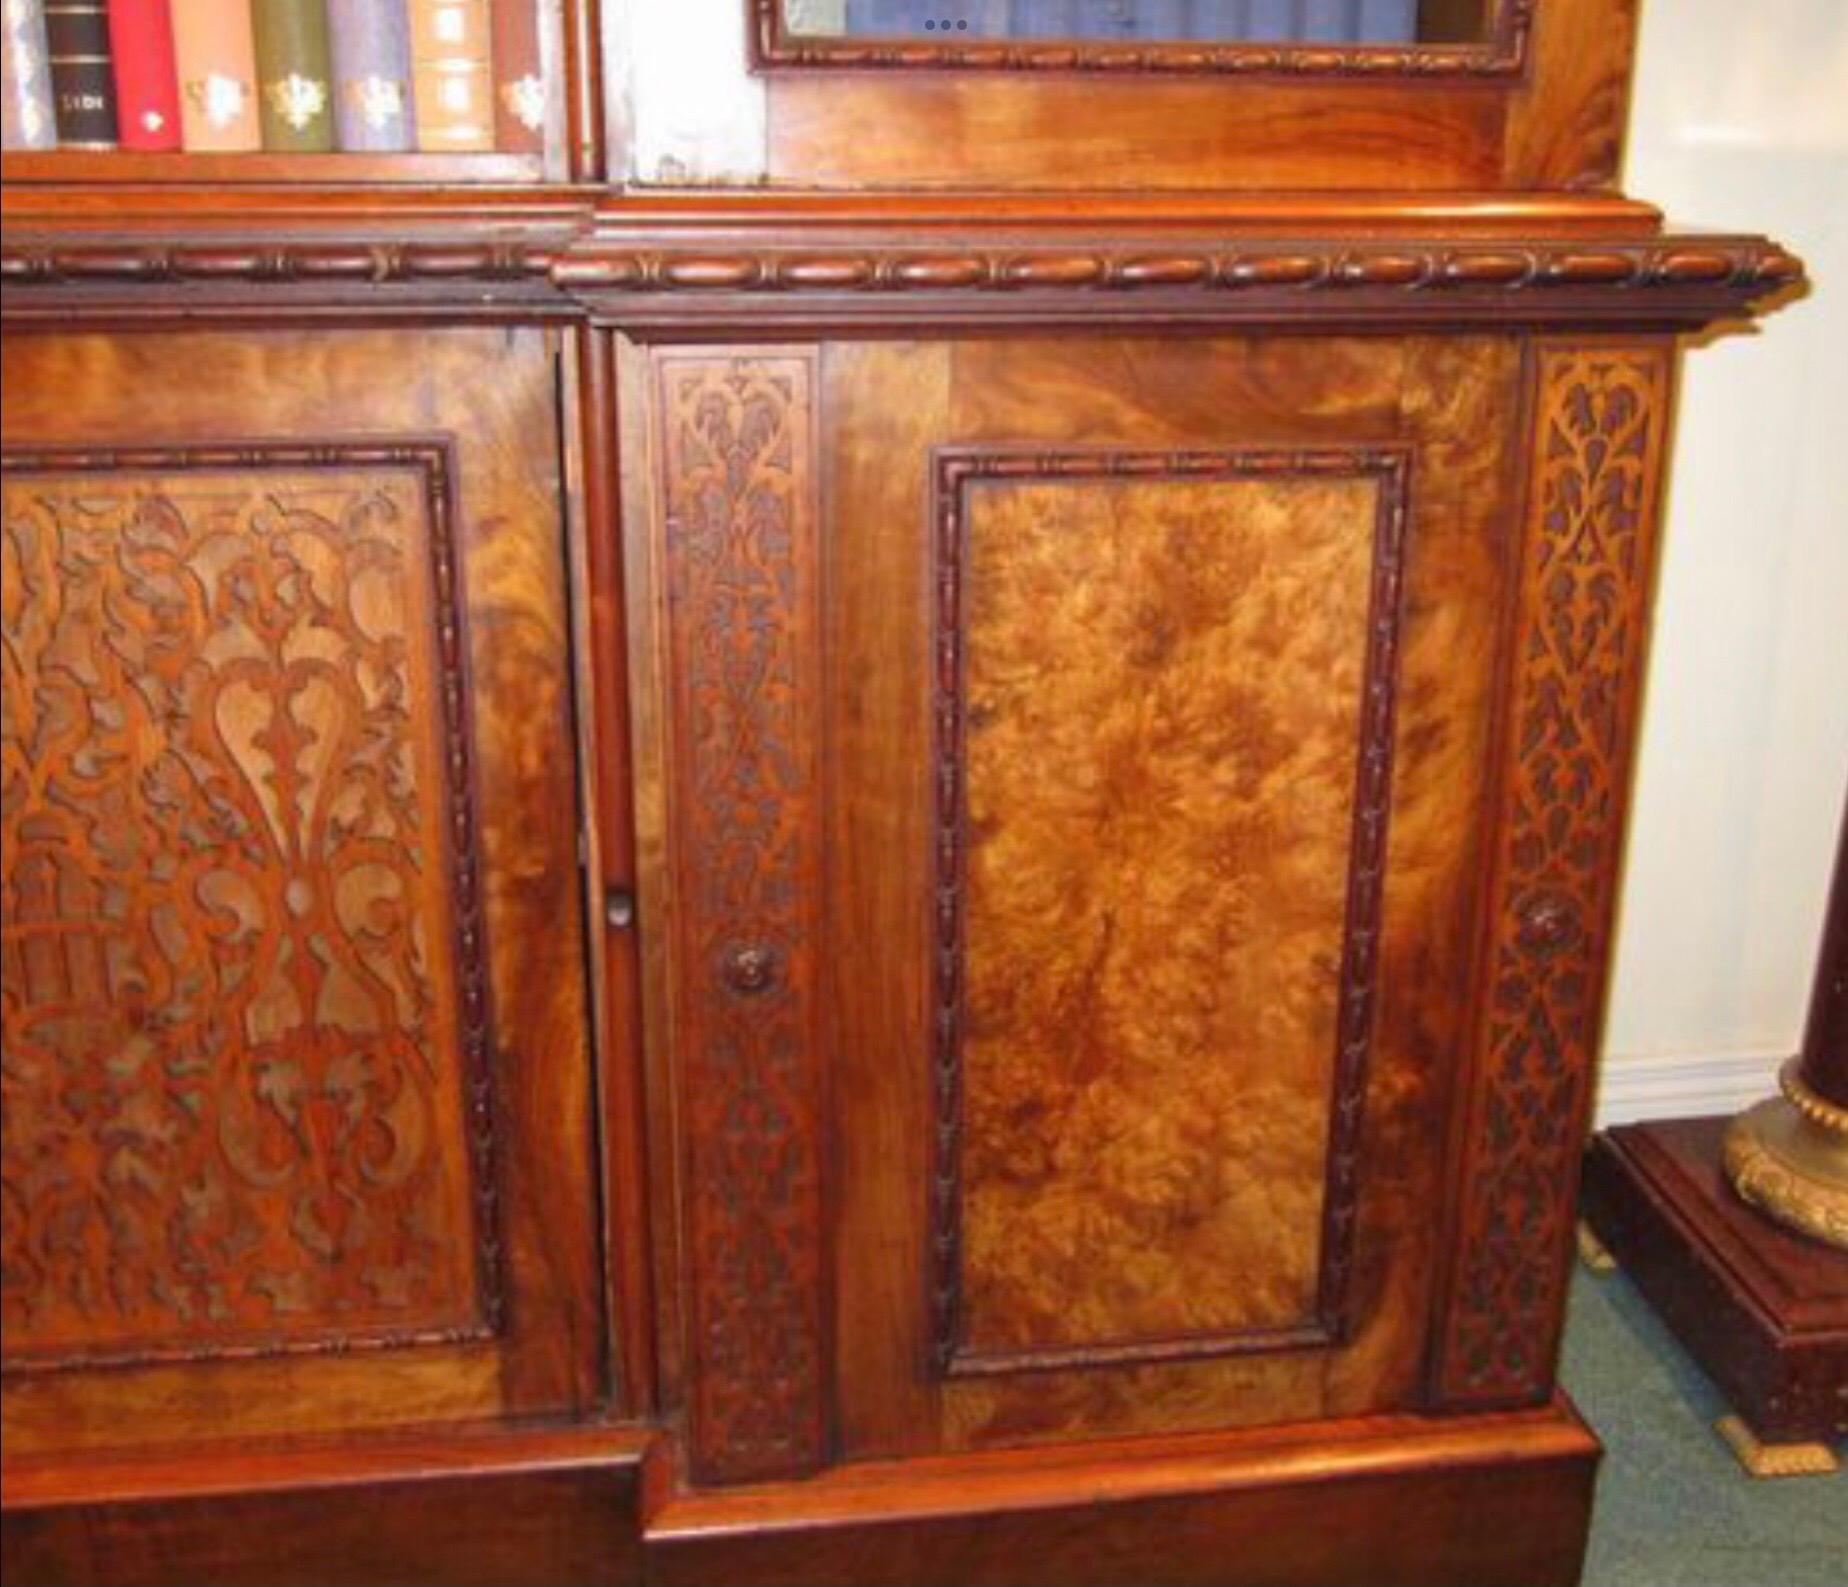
x=1674, y=1509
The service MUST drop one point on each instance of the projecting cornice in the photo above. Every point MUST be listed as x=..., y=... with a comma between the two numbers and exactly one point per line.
x=688, y=262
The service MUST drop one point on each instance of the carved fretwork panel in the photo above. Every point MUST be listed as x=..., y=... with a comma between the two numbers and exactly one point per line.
x=245, y=1010
x=738, y=483
x=1577, y=655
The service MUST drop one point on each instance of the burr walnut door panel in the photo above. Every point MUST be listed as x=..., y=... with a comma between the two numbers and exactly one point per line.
x=1065, y=782
x=297, y=1130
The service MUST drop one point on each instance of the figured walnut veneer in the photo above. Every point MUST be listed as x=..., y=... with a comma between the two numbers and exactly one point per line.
x=246, y=1099
x=1080, y=455
x=1160, y=857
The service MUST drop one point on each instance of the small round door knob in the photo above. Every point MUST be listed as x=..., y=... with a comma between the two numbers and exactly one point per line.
x=750, y=968
x=1549, y=923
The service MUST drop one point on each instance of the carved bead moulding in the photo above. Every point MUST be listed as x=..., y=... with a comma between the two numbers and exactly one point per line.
x=371, y=263
x=738, y=544
x=1577, y=653
x=1503, y=53
x=1037, y=1009
x=247, y=1068
x=1407, y=267
x=623, y=275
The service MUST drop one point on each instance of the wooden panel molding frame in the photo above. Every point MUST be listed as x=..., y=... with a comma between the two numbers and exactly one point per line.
x=957, y=471
x=1501, y=54
x=292, y=1148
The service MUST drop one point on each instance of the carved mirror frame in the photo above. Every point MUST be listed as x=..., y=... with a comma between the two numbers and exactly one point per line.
x=1502, y=54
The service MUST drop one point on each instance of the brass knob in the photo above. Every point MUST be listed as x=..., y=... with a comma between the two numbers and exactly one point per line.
x=1548, y=923
x=750, y=968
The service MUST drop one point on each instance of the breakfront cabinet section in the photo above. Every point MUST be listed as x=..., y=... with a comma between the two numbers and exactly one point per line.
x=297, y=1127
x=1129, y=838
x=852, y=821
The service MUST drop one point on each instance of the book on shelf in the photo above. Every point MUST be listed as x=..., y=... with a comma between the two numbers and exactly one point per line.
x=371, y=49
x=27, y=120
x=147, y=86
x=452, y=74
x=519, y=77
x=82, y=84
x=287, y=76
x=295, y=102
x=1272, y=21
x=215, y=54
x=1387, y=22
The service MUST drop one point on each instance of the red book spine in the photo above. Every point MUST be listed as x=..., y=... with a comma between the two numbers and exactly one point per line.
x=147, y=86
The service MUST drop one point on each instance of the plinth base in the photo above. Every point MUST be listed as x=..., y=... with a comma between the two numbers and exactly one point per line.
x=1763, y=1310
x=1393, y=1501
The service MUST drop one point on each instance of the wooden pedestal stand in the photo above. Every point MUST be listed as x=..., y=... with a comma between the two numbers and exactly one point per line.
x=1757, y=1293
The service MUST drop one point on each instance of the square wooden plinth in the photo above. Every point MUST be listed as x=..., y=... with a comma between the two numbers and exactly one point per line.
x=1763, y=1310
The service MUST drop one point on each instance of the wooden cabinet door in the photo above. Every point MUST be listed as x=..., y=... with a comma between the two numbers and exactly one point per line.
x=297, y=1088
x=1065, y=782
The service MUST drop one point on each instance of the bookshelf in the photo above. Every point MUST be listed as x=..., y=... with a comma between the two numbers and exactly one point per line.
x=492, y=113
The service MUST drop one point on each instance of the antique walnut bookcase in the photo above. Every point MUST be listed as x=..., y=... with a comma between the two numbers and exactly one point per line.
x=880, y=850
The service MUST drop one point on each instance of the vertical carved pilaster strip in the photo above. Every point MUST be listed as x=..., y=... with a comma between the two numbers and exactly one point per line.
x=1576, y=664
x=739, y=488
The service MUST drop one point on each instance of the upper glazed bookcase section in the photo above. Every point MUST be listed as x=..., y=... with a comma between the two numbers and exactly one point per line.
x=1203, y=95
x=313, y=91
x=1468, y=38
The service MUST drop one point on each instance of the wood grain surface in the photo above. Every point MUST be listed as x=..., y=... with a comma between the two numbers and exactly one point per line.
x=1159, y=1168
x=1163, y=664
x=247, y=1097
x=736, y=542
x=1402, y=1500
x=487, y=399
x=1554, y=121
x=891, y=405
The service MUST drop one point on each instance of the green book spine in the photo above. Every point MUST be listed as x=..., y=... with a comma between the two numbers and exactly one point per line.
x=295, y=94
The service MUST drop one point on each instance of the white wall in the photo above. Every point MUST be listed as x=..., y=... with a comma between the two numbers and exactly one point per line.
x=1740, y=119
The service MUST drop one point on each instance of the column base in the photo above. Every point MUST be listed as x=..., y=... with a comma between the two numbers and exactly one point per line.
x=1789, y=1157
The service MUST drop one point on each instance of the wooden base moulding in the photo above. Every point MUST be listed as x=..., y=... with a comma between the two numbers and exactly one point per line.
x=1501, y=1498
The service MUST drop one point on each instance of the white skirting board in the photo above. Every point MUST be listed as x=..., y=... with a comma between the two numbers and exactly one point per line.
x=1682, y=1086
